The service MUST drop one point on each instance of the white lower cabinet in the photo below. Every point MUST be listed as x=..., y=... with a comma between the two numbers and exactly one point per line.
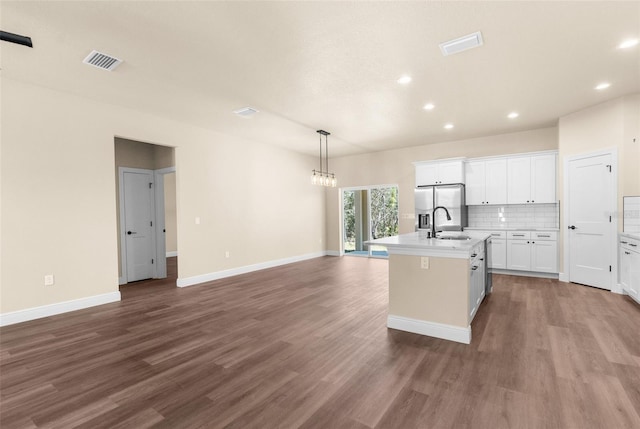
x=532, y=251
x=498, y=256
x=477, y=281
x=518, y=255
x=544, y=256
x=629, y=261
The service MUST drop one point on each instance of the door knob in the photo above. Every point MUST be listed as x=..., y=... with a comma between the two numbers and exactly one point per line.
x=131, y=232
x=572, y=227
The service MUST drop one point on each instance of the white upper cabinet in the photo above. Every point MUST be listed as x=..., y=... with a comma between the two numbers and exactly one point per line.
x=543, y=179
x=439, y=172
x=486, y=182
x=531, y=179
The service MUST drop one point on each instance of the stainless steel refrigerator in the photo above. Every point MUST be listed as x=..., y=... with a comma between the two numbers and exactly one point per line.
x=449, y=196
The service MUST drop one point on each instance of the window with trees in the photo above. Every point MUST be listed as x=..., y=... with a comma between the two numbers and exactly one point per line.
x=369, y=213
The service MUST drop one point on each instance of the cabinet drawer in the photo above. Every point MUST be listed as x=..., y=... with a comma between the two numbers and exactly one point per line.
x=519, y=235
x=630, y=243
x=545, y=235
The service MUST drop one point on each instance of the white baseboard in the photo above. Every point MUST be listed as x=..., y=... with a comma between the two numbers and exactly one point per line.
x=57, y=308
x=617, y=288
x=172, y=254
x=190, y=281
x=431, y=329
x=525, y=273
x=332, y=253
x=563, y=277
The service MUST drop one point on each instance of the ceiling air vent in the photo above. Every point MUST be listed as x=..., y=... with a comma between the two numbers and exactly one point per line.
x=102, y=61
x=246, y=112
x=460, y=44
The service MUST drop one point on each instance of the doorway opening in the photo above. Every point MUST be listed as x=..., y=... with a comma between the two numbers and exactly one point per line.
x=146, y=211
x=368, y=213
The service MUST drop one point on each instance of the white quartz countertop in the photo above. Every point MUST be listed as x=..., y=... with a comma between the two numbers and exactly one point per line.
x=635, y=235
x=488, y=228
x=417, y=243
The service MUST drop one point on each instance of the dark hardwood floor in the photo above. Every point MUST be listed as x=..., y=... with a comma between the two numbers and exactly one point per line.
x=306, y=345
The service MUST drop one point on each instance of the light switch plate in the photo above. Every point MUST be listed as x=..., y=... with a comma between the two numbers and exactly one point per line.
x=49, y=280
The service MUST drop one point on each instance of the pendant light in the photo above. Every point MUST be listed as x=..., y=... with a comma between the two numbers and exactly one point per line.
x=321, y=177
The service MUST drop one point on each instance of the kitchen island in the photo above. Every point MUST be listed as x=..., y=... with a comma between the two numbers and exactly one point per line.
x=436, y=285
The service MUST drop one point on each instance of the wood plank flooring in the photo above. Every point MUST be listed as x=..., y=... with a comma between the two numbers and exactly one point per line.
x=306, y=345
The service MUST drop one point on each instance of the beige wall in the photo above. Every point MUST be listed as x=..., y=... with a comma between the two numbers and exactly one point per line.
x=439, y=294
x=395, y=167
x=170, y=220
x=59, y=196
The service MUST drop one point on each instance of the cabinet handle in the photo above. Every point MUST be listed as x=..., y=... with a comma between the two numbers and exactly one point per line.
x=474, y=255
x=533, y=201
x=634, y=245
x=475, y=267
x=623, y=242
x=527, y=242
x=518, y=235
x=540, y=235
x=533, y=242
x=627, y=253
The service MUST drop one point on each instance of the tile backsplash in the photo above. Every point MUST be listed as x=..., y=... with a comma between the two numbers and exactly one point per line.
x=631, y=214
x=514, y=216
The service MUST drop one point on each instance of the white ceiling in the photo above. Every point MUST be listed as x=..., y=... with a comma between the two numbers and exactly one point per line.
x=333, y=65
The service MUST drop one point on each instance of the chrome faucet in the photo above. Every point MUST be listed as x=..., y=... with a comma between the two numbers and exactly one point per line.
x=433, y=219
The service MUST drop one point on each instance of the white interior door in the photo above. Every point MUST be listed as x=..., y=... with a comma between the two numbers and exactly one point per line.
x=138, y=224
x=591, y=196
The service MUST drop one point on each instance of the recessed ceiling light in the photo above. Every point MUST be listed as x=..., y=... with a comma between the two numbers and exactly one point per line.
x=513, y=115
x=628, y=44
x=404, y=80
x=603, y=85
x=428, y=106
x=448, y=126
x=246, y=112
x=461, y=44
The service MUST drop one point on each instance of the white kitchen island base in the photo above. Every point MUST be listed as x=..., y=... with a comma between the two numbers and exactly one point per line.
x=435, y=286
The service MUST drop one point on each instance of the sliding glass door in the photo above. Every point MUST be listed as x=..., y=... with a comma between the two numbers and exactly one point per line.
x=368, y=213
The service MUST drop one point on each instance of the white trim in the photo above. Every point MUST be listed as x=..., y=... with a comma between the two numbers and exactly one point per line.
x=617, y=288
x=563, y=277
x=518, y=273
x=171, y=254
x=57, y=308
x=194, y=280
x=332, y=253
x=161, y=263
x=122, y=281
x=613, y=205
x=431, y=329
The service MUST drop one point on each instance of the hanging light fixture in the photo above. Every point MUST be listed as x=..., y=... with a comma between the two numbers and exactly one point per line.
x=321, y=177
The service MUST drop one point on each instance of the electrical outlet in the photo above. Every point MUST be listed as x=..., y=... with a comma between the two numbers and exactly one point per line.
x=197, y=221
x=424, y=262
x=226, y=254
x=49, y=280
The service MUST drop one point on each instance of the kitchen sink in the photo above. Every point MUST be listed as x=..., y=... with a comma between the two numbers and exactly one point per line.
x=454, y=237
